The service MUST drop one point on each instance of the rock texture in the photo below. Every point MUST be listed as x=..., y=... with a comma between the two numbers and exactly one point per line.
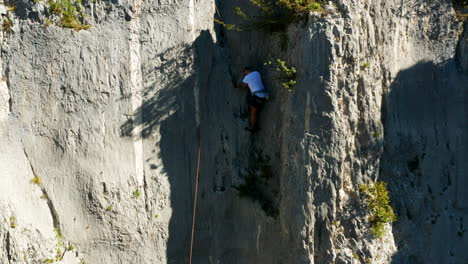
x=110, y=120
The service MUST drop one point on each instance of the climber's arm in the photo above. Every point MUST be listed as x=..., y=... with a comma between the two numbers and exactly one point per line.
x=242, y=85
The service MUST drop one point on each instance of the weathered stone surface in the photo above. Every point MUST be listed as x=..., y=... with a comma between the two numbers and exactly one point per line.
x=110, y=120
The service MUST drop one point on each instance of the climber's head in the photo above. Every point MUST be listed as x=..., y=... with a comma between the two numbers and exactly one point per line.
x=246, y=71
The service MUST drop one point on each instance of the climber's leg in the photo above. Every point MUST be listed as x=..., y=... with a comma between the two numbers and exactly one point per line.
x=253, y=117
x=255, y=105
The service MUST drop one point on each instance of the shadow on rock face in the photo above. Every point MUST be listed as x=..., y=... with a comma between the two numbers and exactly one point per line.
x=425, y=119
x=168, y=109
x=462, y=50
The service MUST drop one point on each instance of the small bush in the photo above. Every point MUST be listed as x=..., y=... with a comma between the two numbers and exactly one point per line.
x=12, y=221
x=59, y=236
x=460, y=7
x=36, y=180
x=381, y=213
x=7, y=24
x=70, y=13
x=376, y=135
x=48, y=22
x=287, y=75
x=356, y=256
x=136, y=193
x=301, y=6
x=275, y=15
x=228, y=26
x=58, y=255
x=365, y=65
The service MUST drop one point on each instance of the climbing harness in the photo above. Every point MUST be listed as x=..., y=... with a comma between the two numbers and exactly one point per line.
x=263, y=91
x=195, y=198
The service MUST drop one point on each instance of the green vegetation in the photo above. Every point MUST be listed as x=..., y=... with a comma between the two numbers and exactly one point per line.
x=58, y=255
x=58, y=235
x=70, y=13
x=44, y=196
x=356, y=256
x=7, y=23
x=12, y=221
x=302, y=6
x=70, y=247
x=228, y=26
x=48, y=22
x=275, y=15
x=461, y=7
x=365, y=65
x=361, y=258
x=136, y=193
x=287, y=75
x=36, y=180
x=378, y=201
x=109, y=208
x=66, y=14
x=60, y=248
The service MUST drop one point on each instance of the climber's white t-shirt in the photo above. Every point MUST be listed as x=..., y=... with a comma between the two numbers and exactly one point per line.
x=254, y=81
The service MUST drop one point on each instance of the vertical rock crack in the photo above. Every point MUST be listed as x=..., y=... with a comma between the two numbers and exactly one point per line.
x=50, y=205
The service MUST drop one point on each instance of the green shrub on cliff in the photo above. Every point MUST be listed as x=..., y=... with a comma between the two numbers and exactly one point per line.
x=12, y=221
x=70, y=13
x=136, y=193
x=378, y=201
x=7, y=24
x=36, y=180
x=275, y=15
x=287, y=75
x=461, y=7
x=302, y=6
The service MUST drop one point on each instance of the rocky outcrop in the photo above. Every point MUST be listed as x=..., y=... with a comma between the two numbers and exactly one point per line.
x=110, y=120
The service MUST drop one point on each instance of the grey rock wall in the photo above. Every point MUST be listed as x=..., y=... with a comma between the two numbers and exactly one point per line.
x=72, y=95
x=111, y=118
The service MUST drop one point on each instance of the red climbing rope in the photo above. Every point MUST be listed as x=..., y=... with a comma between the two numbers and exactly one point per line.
x=195, y=202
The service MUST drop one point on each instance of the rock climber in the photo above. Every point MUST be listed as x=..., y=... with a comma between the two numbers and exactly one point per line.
x=252, y=80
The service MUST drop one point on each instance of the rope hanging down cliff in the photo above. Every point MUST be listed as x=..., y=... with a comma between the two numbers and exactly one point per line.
x=195, y=197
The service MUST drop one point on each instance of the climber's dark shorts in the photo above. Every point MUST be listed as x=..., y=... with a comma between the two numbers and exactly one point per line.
x=255, y=101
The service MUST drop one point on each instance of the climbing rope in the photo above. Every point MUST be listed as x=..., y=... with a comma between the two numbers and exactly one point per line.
x=195, y=200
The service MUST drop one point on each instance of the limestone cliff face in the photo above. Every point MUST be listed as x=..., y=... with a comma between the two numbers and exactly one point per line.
x=110, y=118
